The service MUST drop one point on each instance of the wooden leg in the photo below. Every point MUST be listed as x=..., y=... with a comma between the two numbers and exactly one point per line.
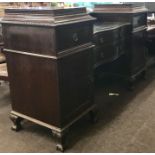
x=16, y=122
x=93, y=116
x=60, y=138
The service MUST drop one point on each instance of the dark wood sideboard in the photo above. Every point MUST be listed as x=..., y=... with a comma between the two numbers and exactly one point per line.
x=111, y=40
x=50, y=66
x=135, y=61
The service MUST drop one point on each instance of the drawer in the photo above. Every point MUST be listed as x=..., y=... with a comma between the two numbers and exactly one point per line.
x=106, y=37
x=108, y=53
x=69, y=36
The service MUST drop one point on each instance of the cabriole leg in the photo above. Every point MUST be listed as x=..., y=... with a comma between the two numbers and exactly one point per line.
x=60, y=138
x=16, y=122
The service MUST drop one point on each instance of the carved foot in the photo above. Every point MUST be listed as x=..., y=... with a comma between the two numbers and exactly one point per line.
x=93, y=116
x=60, y=138
x=16, y=122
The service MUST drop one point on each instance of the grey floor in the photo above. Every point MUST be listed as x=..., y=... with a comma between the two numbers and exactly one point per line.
x=126, y=122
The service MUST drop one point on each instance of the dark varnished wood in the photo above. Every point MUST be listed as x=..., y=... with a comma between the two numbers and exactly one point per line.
x=151, y=38
x=110, y=39
x=60, y=82
x=136, y=15
x=139, y=52
x=76, y=34
x=135, y=55
x=50, y=66
x=55, y=12
x=60, y=138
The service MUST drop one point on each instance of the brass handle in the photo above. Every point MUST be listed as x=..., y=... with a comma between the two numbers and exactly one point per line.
x=75, y=37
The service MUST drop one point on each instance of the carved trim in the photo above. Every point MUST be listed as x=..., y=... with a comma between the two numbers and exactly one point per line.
x=80, y=116
x=60, y=55
x=76, y=49
x=36, y=121
x=29, y=53
x=119, y=8
x=60, y=130
x=113, y=26
x=139, y=29
x=45, y=20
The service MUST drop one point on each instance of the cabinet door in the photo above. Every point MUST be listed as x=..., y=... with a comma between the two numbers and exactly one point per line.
x=76, y=84
x=34, y=86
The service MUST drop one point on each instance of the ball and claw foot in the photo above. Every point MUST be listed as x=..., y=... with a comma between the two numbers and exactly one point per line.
x=16, y=122
x=16, y=128
x=60, y=138
x=60, y=147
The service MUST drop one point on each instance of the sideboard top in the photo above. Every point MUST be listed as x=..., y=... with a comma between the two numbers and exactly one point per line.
x=106, y=26
x=119, y=8
x=46, y=16
x=55, y=11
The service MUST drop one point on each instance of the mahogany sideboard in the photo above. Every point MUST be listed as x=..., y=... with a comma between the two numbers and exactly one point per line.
x=50, y=67
x=136, y=55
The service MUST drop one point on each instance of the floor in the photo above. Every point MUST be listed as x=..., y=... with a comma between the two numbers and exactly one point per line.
x=126, y=122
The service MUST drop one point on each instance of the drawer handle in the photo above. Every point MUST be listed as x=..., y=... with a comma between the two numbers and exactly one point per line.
x=75, y=37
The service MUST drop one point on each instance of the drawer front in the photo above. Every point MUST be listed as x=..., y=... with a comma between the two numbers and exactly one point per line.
x=105, y=54
x=105, y=37
x=29, y=38
x=69, y=36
